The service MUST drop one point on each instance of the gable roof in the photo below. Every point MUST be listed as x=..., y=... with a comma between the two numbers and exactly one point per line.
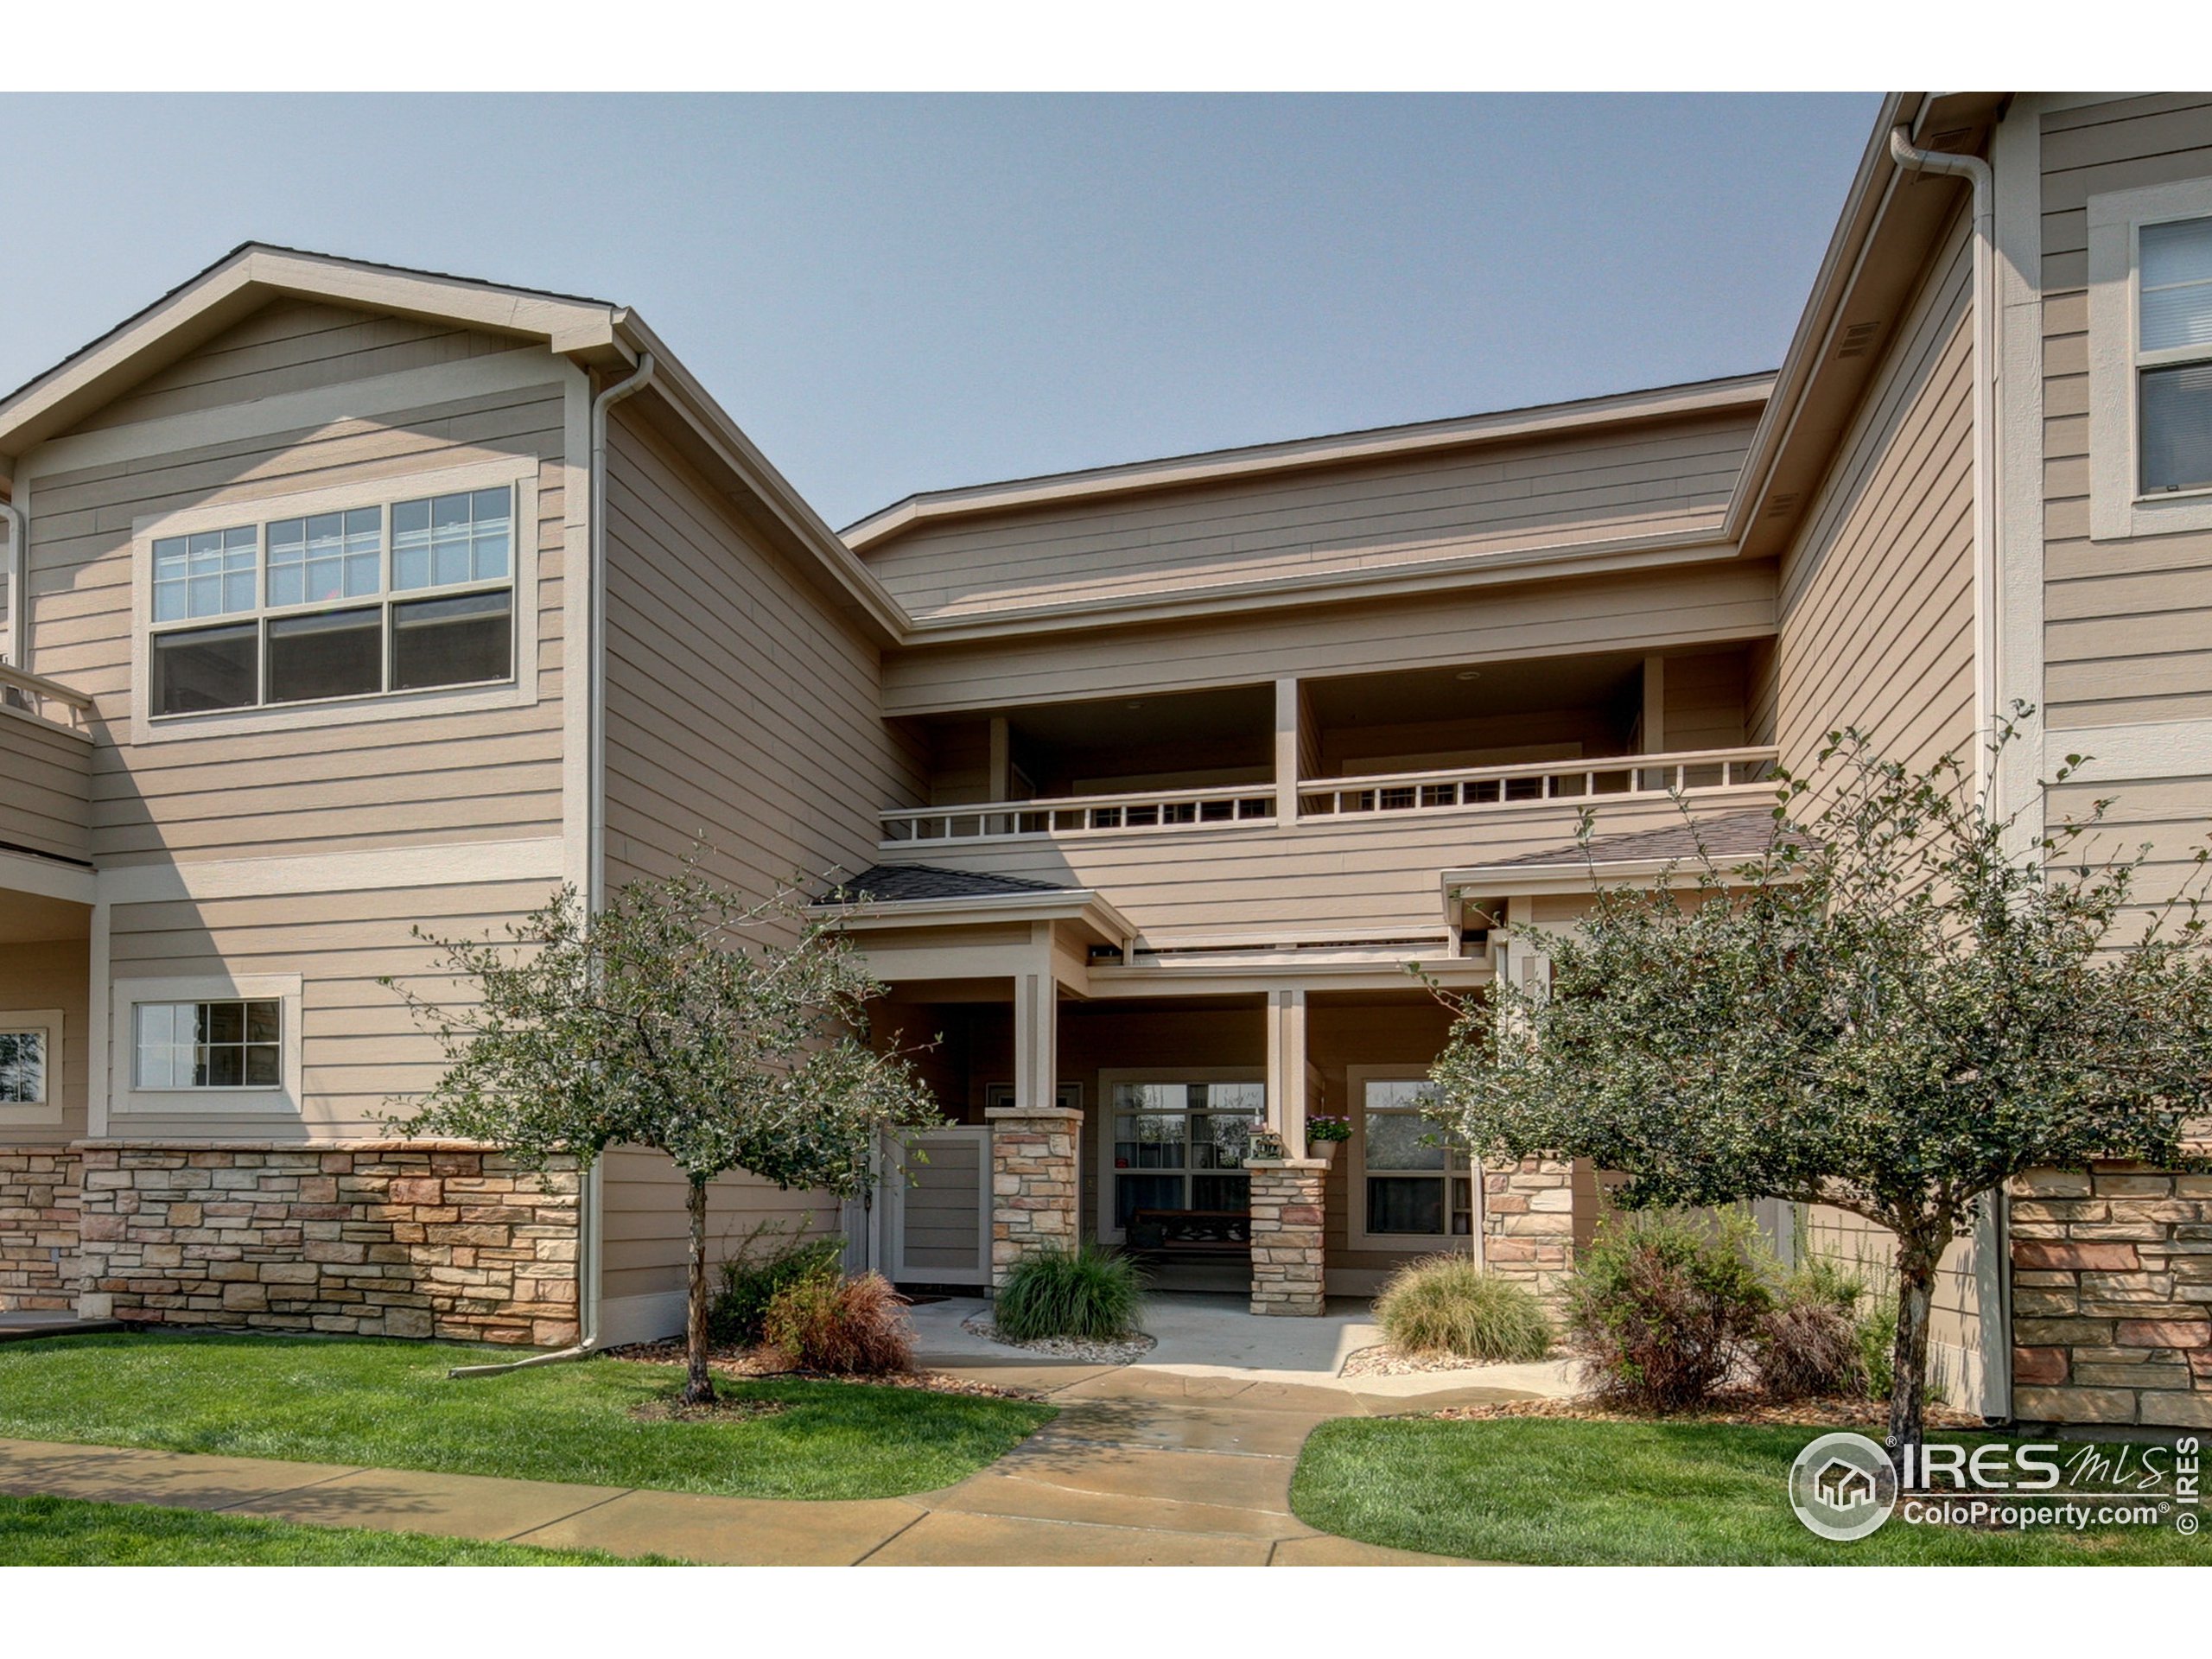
x=595, y=334
x=1738, y=834
x=1745, y=391
x=905, y=883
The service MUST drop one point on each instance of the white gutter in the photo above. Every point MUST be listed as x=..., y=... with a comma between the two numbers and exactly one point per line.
x=1978, y=174
x=588, y=1195
x=19, y=565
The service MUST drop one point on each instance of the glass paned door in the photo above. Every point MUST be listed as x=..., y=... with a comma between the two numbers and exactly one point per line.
x=1181, y=1146
x=1417, y=1187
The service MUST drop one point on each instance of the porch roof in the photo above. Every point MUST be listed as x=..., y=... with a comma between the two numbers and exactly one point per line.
x=1739, y=836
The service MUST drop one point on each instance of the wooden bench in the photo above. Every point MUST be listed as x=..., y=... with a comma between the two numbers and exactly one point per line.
x=1207, y=1232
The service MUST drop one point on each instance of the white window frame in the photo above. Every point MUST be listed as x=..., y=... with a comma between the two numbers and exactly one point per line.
x=1357, y=1078
x=519, y=689
x=2118, y=509
x=45, y=1113
x=229, y=1100
x=1108, y=1079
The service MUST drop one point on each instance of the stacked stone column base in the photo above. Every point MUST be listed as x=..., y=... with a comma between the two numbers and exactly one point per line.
x=38, y=1229
x=1033, y=1191
x=1288, y=1275
x=1529, y=1221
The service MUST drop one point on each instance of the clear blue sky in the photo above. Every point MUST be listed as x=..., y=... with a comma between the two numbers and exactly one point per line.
x=893, y=294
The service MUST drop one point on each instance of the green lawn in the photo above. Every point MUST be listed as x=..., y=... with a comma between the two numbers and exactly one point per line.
x=66, y=1532
x=390, y=1404
x=1555, y=1491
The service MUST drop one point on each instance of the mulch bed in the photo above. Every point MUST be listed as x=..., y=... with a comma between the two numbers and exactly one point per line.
x=1100, y=1352
x=714, y=1411
x=1382, y=1360
x=1742, y=1409
x=760, y=1364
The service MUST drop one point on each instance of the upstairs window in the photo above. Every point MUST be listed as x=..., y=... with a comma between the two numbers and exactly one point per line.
x=328, y=606
x=2173, y=357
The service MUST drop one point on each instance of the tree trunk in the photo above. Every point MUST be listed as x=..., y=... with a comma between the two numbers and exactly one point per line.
x=698, y=1385
x=1917, y=1261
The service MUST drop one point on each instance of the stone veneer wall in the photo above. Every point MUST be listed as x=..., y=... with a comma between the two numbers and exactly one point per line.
x=38, y=1217
x=1528, y=1221
x=379, y=1239
x=1034, y=1190
x=2112, y=1297
x=1287, y=1273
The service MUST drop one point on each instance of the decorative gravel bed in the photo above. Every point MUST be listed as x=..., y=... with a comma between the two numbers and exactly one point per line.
x=1098, y=1353
x=1383, y=1360
x=731, y=1361
x=1745, y=1410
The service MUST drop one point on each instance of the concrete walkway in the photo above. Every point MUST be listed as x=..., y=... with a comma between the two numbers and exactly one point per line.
x=1185, y=1460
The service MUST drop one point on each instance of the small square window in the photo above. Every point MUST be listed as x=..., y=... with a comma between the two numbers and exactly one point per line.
x=23, y=1066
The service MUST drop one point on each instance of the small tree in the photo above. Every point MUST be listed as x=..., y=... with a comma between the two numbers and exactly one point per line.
x=724, y=1032
x=1887, y=1011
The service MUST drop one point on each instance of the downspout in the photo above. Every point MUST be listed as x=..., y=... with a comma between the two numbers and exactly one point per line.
x=588, y=1195
x=1994, y=1232
x=1978, y=174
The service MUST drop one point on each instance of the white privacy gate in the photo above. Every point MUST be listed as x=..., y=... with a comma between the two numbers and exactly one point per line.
x=933, y=1208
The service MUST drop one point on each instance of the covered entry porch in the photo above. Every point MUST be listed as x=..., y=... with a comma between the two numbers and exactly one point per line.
x=1088, y=1095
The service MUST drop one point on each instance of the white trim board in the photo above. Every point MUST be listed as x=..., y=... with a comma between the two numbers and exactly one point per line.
x=130, y=1100
x=45, y=878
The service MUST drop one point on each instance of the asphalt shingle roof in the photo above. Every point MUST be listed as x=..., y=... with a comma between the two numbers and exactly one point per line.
x=1739, y=834
x=894, y=883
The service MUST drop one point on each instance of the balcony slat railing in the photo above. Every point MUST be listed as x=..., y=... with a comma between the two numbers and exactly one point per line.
x=44, y=699
x=1165, y=811
x=1627, y=776
x=1147, y=812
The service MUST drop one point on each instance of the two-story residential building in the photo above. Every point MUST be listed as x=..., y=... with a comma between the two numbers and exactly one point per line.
x=344, y=599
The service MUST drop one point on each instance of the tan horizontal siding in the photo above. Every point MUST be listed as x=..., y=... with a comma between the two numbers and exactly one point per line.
x=645, y=1229
x=488, y=774
x=358, y=1046
x=1877, y=590
x=737, y=706
x=290, y=345
x=1671, y=481
x=45, y=787
x=1704, y=603
x=2127, y=632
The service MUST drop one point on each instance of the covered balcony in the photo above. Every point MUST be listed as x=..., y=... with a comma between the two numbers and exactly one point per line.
x=1218, y=819
x=46, y=761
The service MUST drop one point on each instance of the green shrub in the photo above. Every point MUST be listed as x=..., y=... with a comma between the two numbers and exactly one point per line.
x=847, y=1327
x=1808, y=1340
x=1662, y=1310
x=1090, y=1293
x=1878, y=1342
x=1448, y=1305
x=751, y=1278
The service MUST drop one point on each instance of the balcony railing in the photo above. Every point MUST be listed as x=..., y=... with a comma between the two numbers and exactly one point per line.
x=28, y=694
x=1693, y=773
x=1162, y=810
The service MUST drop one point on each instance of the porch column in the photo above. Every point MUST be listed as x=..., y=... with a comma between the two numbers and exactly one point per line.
x=1526, y=1210
x=1286, y=1266
x=1286, y=1069
x=1290, y=731
x=1034, y=1190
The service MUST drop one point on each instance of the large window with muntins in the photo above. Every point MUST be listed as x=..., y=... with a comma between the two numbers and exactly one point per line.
x=1181, y=1146
x=310, y=609
x=234, y=1043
